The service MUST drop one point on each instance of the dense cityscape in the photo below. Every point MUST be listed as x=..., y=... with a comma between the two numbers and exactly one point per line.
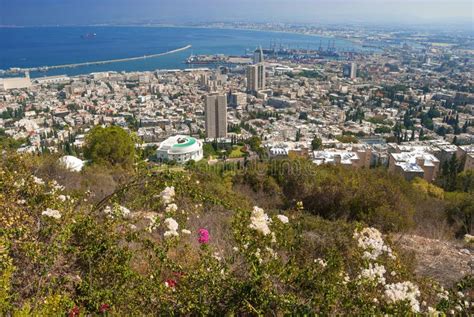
x=406, y=106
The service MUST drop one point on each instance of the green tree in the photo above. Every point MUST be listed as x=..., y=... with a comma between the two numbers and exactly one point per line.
x=465, y=181
x=347, y=139
x=460, y=211
x=110, y=146
x=316, y=144
x=255, y=143
x=383, y=129
x=448, y=176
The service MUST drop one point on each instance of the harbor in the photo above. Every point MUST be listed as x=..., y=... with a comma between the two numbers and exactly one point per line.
x=120, y=60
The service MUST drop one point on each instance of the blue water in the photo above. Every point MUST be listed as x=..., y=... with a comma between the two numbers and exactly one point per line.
x=47, y=46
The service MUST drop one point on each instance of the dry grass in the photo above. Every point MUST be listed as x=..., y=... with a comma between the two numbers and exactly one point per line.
x=441, y=260
x=431, y=221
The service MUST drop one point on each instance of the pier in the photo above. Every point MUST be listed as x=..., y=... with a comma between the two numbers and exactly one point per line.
x=120, y=60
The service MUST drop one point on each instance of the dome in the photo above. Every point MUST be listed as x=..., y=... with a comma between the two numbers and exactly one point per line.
x=180, y=148
x=180, y=144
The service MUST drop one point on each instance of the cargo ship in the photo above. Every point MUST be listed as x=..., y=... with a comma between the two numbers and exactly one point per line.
x=218, y=59
x=88, y=36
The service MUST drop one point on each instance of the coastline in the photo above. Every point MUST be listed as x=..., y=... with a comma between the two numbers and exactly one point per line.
x=95, y=62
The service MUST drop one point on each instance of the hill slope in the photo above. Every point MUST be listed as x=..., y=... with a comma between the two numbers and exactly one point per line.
x=153, y=242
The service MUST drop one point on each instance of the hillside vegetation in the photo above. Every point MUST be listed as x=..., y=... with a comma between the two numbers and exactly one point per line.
x=274, y=238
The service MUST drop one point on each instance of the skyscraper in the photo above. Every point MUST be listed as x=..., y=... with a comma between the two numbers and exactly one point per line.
x=256, y=77
x=216, y=116
x=350, y=70
x=353, y=70
x=258, y=56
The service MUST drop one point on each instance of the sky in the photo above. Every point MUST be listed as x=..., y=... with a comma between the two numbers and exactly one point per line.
x=85, y=12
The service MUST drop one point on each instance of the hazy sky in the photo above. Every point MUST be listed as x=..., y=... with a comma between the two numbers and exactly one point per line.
x=52, y=12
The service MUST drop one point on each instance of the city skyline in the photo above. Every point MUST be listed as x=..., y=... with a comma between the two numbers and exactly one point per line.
x=64, y=12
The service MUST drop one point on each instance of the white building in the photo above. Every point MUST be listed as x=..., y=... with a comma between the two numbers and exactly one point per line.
x=180, y=148
x=338, y=157
x=71, y=163
x=15, y=83
x=52, y=79
x=414, y=164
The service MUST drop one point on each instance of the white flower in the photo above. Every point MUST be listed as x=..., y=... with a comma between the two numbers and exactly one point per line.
x=167, y=195
x=272, y=252
x=168, y=234
x=346, y=279
x=283, y=218
x=321, y=262
x=124, y=211
x=51, y=213
x=259, y=221
x=108, y=210
x=375, y=273
x=172, y=226
x=171, y=208
x=370, y=240
x=56, y=186
x=38, y=180
x=235, y=249
x=19, y=184
x=405, y=291
x=152, y=218
x=433, y=312
x=62, y=197
x=186, y=231
x=274, y=238
x=216, y=256
x=21, y=202
x=443, y=294
x=258, y=255
x=468, y=238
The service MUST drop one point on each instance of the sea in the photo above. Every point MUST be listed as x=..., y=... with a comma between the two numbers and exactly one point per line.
x=26, y=47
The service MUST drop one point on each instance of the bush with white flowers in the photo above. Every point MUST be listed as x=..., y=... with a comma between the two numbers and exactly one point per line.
x=178, y=243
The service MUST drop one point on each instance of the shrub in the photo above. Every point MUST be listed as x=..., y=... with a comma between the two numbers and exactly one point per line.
x=138, y=252
x=428, y=189
x=335, y=192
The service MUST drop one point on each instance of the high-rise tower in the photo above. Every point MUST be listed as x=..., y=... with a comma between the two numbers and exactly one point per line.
x=256, y=78
x=258, y=56
x=216, y=116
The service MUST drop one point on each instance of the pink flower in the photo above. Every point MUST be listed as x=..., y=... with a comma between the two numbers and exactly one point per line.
x=74, y=312
x=170, y=283
x=203, y=236
x=104, y=308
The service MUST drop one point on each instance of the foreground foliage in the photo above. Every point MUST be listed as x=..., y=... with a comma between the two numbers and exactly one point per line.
x=177, y=243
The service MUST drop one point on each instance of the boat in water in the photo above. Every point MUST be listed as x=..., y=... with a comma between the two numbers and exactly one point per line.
x=88, y=36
